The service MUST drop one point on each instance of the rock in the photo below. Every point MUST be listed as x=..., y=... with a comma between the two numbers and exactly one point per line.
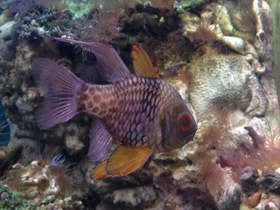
x=248, y=180
x=134, y=196
x=226, y=82
x=271, y=182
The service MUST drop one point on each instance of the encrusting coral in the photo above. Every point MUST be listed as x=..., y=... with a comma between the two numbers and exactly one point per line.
x=43, y=179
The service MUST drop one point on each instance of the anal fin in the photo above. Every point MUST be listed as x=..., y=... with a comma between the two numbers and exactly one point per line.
x=123, y=161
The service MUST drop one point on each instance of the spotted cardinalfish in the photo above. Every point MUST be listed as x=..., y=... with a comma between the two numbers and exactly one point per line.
x=140, y=111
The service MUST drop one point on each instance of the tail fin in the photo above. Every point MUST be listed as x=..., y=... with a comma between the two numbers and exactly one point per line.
x=61, y=93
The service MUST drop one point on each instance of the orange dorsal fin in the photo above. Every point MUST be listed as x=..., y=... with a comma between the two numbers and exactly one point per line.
x=123, y=161
x=100, y=172
x=142, y=63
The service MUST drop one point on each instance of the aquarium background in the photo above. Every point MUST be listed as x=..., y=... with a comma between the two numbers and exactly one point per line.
x=4, y=127
x=218, y=54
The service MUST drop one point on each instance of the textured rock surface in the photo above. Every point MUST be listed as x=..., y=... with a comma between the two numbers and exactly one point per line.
x=45, y=186
x=224, y=82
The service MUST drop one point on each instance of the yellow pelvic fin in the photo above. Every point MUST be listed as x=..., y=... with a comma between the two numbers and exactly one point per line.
x=123, y=161
x=142, y=63
x=100, y=172
x=126, y=159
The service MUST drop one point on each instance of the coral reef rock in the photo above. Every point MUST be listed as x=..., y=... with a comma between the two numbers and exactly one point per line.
x=225, y=82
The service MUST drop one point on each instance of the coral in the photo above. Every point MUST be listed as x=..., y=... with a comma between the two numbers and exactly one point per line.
x=224, y=81
x=186, y=4
x=263, y=154
x=237, y=25
x=217, y=181
x=42, y=183
x=103, y=24
x=12, y=200
x=38, y=180
x=214, y=25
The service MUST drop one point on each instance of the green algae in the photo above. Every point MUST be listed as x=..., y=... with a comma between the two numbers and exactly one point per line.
x=188, y=4
x=78, y=8
x=192, y=3
x=14, y=201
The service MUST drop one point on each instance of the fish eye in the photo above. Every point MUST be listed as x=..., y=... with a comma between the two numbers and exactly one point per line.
x=185, y=122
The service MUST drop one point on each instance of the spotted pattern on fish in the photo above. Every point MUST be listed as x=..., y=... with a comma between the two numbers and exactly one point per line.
x=130, y=108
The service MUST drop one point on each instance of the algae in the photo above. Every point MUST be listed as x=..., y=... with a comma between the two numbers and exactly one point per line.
x=14, y=201
x=77, y=8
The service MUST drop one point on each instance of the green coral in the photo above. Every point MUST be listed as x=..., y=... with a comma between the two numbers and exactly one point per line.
x=192, y=3
x=78, y=8
x=188, y=4
x=14, y=201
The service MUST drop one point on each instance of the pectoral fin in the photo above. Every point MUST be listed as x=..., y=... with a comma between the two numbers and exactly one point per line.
x=142, y=63
x=123, y=161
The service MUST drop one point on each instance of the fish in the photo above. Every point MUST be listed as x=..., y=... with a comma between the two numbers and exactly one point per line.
x=140, y=111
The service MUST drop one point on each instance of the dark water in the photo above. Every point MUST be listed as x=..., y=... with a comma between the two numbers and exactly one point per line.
x=4, y=127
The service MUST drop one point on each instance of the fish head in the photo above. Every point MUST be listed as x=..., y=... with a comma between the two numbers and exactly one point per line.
x=178, y=125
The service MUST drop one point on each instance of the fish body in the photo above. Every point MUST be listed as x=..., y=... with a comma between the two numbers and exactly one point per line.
x=145, y=114
x=131, y=108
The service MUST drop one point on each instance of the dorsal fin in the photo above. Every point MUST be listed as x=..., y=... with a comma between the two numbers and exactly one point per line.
x=107, y=57
x=142, y=63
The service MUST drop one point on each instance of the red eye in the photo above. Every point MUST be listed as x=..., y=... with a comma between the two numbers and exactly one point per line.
x=185, y=122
